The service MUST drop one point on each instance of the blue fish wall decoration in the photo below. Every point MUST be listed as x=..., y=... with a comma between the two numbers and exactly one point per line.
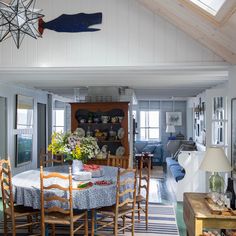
x=72, y=23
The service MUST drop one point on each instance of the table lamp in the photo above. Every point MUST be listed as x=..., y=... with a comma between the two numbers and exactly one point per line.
x=215, y=161
x=170, y=129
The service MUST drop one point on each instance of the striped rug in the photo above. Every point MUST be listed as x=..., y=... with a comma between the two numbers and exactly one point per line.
x=162, y=222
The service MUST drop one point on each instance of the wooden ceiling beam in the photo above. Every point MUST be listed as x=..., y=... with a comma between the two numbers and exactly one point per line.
x=203, y=32
x=224, y=14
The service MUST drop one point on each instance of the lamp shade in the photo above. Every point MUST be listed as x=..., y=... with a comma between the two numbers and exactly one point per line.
x=215, y=160
x=170, y=129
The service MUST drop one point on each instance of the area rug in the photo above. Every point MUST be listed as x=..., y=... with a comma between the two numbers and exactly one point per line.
x=162, y=222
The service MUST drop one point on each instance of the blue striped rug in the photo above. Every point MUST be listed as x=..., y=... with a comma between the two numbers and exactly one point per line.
x=162, y=222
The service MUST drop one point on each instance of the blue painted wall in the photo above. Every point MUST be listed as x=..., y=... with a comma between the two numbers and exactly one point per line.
x=163, y=107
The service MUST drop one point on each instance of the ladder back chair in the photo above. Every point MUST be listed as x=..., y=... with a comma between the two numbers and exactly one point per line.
x=143, y=184
x=55, y=215
x=126, y=189
x=118, y=161
x=47, y=159
x=11, y=211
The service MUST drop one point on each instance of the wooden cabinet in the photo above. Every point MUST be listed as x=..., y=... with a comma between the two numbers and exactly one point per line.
x=108, y=121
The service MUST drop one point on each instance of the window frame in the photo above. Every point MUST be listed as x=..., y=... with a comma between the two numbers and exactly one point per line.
x=54, y=126
x=147, y=127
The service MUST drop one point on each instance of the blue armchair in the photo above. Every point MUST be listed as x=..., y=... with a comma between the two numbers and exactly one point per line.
x=155, y=148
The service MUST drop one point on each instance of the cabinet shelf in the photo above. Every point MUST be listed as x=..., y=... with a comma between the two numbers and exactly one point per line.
x=82, y=111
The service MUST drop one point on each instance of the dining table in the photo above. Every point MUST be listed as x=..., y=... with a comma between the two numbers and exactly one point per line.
x=26, y=189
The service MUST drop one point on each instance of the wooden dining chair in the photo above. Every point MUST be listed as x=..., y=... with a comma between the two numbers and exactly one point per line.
x=125, y=188
x=143, y=183
x=12, y=212
x=55, y=215
x=118, y=161
x=47, y=159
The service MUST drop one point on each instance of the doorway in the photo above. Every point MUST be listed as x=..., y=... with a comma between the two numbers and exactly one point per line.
x=41, y=108
x=3, y=127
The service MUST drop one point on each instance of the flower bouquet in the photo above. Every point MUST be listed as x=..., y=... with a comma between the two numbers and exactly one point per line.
x=73, y=146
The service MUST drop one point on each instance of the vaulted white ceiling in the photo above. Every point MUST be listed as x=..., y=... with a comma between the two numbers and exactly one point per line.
x=162, y=46
x=218, y=33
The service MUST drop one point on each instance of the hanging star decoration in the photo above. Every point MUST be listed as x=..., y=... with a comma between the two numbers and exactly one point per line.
x=17, y=19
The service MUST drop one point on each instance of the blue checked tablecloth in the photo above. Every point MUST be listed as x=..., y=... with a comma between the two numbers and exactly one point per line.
x=26, y=189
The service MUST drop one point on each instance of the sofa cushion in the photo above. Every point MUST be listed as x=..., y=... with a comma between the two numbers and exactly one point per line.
x=149, y=148
x=140, y=145
x=170, y=161
x=177, y=172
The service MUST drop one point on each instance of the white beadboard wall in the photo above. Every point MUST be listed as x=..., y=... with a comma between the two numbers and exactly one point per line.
x=9, y=92
x=130, y=35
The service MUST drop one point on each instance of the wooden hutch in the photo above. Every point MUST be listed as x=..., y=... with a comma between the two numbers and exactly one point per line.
x=107, y=121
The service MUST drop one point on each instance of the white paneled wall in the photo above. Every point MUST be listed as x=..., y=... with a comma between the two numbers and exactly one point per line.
x=130, y=35
x=9, y=92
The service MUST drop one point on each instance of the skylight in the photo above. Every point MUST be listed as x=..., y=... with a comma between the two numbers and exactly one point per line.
x=211, y=6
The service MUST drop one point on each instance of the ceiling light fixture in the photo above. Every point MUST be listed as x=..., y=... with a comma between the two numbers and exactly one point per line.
x=17, y=19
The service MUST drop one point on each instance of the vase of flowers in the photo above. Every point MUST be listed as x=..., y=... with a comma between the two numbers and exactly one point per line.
x=76, y=149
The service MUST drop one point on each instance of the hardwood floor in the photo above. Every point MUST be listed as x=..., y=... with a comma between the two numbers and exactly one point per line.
x=162, y=193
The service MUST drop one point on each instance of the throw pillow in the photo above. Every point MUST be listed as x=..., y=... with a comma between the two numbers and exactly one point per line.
x=149, y=148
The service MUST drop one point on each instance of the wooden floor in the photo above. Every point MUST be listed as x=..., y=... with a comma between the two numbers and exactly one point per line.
x=160, y=191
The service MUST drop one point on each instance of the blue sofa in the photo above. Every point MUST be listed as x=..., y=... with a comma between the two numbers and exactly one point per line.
x=155, y=148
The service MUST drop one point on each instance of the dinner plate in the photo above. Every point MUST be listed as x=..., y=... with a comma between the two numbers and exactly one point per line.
x=121, y=133
x=82, y=175
x=80, y=132
x=120, y=151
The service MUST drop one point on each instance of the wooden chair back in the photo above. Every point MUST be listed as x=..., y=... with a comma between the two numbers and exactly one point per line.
x=47, y=159
x=63, y=200
x=144, y=175
x=11, y=211
x=6, y=186
x=118, y=161
x=121, y=191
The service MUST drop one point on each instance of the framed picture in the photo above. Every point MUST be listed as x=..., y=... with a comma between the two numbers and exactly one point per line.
x=174, y=118
x=23, y=148
x=24, y=129
x=24, y=112
x=233, y=134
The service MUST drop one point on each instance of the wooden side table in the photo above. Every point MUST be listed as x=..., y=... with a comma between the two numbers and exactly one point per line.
x=198, y=216
x=139, y=155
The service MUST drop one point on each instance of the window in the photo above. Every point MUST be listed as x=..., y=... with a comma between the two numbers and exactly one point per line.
x=211, y=6
x=149, y=125
x=58, y=120
x=219, y=122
